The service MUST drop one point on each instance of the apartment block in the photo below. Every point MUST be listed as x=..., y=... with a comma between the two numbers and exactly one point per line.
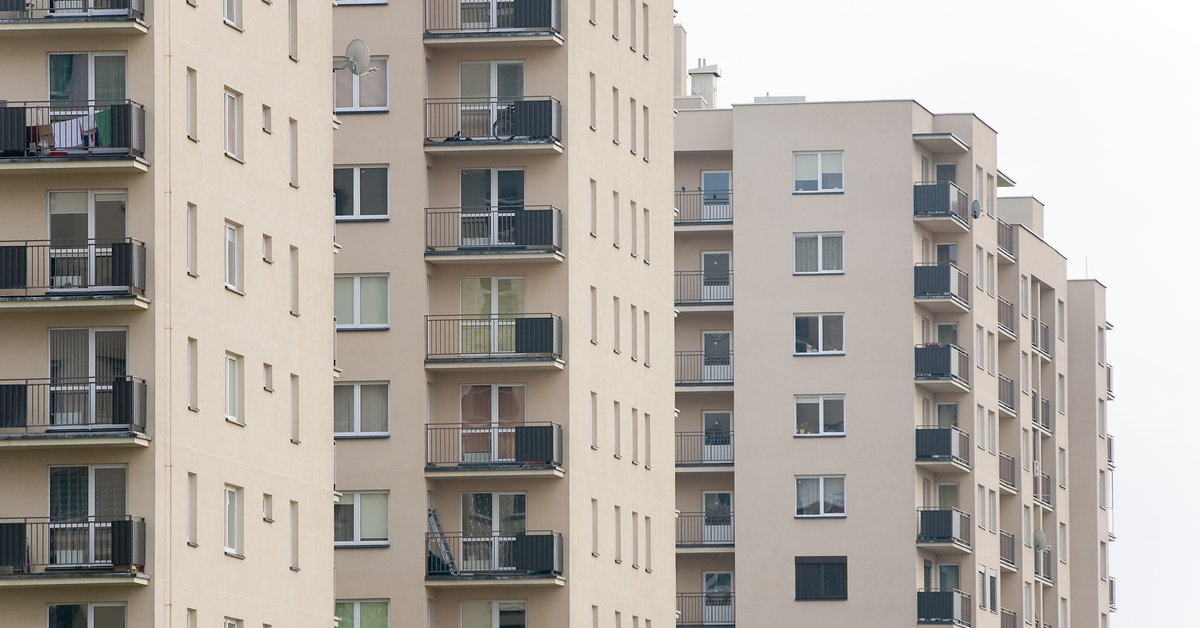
x=165, y=313
x=504, y=411
x=916, y=386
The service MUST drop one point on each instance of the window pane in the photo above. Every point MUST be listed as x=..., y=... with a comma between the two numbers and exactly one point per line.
x=68, y=616
x=343, y=409
x=108, y=617
x=831, y=332
x=806, y=254
x=372, y=88
x=110, y=77
x=344, y=612
x=374, y=517
x=831, y=171
x=831, y=252
x=343, y=300
x=808, y=496
x=343, y=86
x=806, y=172
x=372, y=615
x=512, y=615
x=476, y=615
x=807, y=417
x=806, y=334
x=343, y=191
x=68, y=77
x=231, y=519
x=373, y=192
x=343, y=518
x=373, y=305
x=231, y=387
x=835, y=495
x=835, y=419
x=374, y=407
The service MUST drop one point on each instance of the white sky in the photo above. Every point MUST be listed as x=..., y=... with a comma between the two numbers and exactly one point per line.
x=1098, y=108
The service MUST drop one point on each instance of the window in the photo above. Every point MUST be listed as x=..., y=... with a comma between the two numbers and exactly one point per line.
x=361, y=613
x=595, y=528
x=981, y=589
x=295, y=407
x=1028, y=602
x=633, y=441
x=821, y=496
x=233, y=256
x=617, y=429
x=193, y=374
x=234, y=386
x=293, y=151
x=991, y=353
x=616, y=20
x=616, y=212
x=192, y=509
x=648, y=566
x=617, y=533
x=268, y=249
x=233, y=124
x=94, y=615
x=824, y=414
x=594, y=313
x=1024, y=295
x=645, y=133
x=991, y=195
x=361, y=301
x=979, y=184
x=818, y=172
x=819, y=333
x=646, y=30
x=192, y=269
x=980, y=353
x=266, y=119
x=268, y=377
x=616, y=105
x=991, y=274
x=232, y=623
x=592, y=101
x=360, y=518
x=192, y=112
x=979, y=273
x=594, y=214
x=980, y=438
x=1061, y=319
x=365, y=92
x=980, y=506
x=646, y=235
x=991, y=431
x=360, y=192
x=191, y=612
x=294, y=522
x=360, y=409
x=1024, y=372
x=293, y=30
x=633, y=127
x=1062, y=542
x=83, y=76
x=633, y=533
x=646, y=337
x=993, y=590
x=616, y=324
x=993, y=508
x=632, y=24
x=592, y=20
x=1027, y=527
x=268, y=508
x=595, y=421
x=1061, y=392
x=1102, y=418
x=633, y=332
x=233, y=520
x=233, y=13
x=493, y=614
x=818, y=253
x=646, y=432
x=1104, y=503
x=294, y=280
x=633, y=228
x=821, y=578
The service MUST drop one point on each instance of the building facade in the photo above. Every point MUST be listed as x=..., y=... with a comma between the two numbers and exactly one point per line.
x=165, y=314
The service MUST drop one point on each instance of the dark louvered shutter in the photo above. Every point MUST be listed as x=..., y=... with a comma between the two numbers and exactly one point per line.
x=992, y=590
x=835, y=581
x=821, y=578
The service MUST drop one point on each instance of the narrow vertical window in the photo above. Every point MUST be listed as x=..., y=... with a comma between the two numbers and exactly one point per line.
x=645, y=235
x=1061, y=319
x=617, y=536
x=633, y=127
x=592, y=19
x=294, y=280
x=192, y=512
x=616, y=214
x=633, y=440
x=646, y=435
x=268, y=125
x=192, y=112
x=595, y=530
x=633, y=228
x=295, y=407
x=979, y=272
x=233, y=388
x=616, y=324
x=616, y=20
x=233, y=13
x=233, y=124
x=294, y=518
x=293, y=30
x=268, y=377
x=594, y=208
x=190, y=226
x=593, y=295
x=991, y=195
x=191, y=618
x=595, y=421
x=268, y=249
x=293, y=152
x=233, y=519
x=616, y=429
x=646, y=564
x=646, y=133
x=268, y=508
x=632, y=24
x=616, y=111
x=634, y=549
x=991, y=274
x=646, y=338
x=193, y=375
x=633, y=333
x=646, y=33
x=233, y=256
x=592, y=100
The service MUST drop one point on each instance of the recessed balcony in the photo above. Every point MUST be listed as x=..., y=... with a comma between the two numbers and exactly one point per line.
x=1112, y=460
x=529, y=124
x=73, y=412
x=1043, y=490
x=1041, y=339
x=70, y=551
x=943, y=449
x=524, y=449
x=485, y=557
x=704, y=532
x=1007, y=393
x=1006, y=318
x=704, y=291
x=480, y=341
x=703, y=210
x=1008, y=551
x=944, y=530
x=1010, y=479
x=1108, y=372
x=713, y=609
x=1043, y=566
x=941, y=207
x=494, y=23
x=702, y=370
x=945, y=607
x=83, y=17
x=704, y=450
x=942, y=368
x=1112, y=593
x=1043, y=414
x=489, y=235
x=61, y=136
x=941, y=287
x=92, y=274
x=1006, y=242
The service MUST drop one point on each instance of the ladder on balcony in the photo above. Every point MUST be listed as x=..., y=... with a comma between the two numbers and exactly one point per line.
x=439, y=538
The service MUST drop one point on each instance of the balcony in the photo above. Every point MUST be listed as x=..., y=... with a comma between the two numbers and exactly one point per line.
x=1010, y=479
x=529, y=341
x=528, y=233
x=1108, y=370
x=1043, y=490
x=1008, y=619
x=84, y=17
x=1006, y=318
x=952, y=608
x=1006, y=242
x=500, y=23
x=471, y=125
x=1112, y=461
x=94, y=274
x=704, y=210
x=942, y=368
x=712, y=448
x=704, y=609
x=944, y=531
x=943, y=449
x=73, y=412
x=1042, y=341
x=941, y=287
x=1043, y=414
x=1008, y=551
x=1043, y=565
x=1112, y=593
x=941, y=207
x=72, y=551
x=697, y=369
x=1007, y=393
x=525, y=558
x=54, y=137
x=700, y=532
x=530, y=449
x=700, y=290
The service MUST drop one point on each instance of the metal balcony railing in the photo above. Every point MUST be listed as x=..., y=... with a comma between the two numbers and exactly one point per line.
x=1008, y=471
x=1043, y=413
x=41, y=546
x=72, y=129
x=705, y=609
x=493, y=337
x=493, y=446
x=941, y=281
x=697, y=368
x=1041, y=339
x=694, y=529
x=1006, y=315
x=936, y=443
x=1008, y=548
x=938, y=606
x=700, y=287
x=944, y=525
x=698, y=207
x=942, y=362
x=501, y=121
x=941, y=199
x=1112, y=460
x=1043, y=489
x=1008, y=619
x=448, y=18
x=1108, y=371
x=65, y=405
x=713, y=447
x=493, y=555
x=1112, y=592
x=493, y=229
x=1043, y=565
x=18, y=11
x=1006, y=238
x=43, y=268
x=1007, y=391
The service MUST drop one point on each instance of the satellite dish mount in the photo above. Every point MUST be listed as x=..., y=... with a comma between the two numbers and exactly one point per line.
x=358, y=59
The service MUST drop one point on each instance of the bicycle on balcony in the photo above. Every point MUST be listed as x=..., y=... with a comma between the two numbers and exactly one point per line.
x=504, y=129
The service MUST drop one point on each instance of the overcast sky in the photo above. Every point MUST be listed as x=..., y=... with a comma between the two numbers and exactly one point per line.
x=1096, y=105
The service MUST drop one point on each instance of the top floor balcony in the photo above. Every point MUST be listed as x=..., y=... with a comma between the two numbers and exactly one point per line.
x=54, y=274
x=91, y=17
x=53, y=137
x=941, y=207
x=471, y=125
x=493, y=23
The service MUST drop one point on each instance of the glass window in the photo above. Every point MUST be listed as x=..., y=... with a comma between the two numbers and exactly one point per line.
x=233, y=124
x=233, y=256
x=820, y=496
x=81, y=77
x=365, y=92
x=233, y=519
x=818, y=252
x=360, y=409
x=233, y=12
x=233, y=388
x=493, y=614
x=361, y=613
x=360, y=518
x=360, y=192
x=819, y=333
x=361, y=302
x=818, y=172
x=825, y=414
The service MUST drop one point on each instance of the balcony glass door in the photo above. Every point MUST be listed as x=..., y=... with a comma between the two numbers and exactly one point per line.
x=718, y=356
x=84, y=226
x=84, y=366
x=487, y=14
x=718, y=517
x=490, y=416
x=490, y=524
x=718, y=597
x=716, y=280
x=718, y=436
x=490, y=201
x=84, y=501
x=488, y=305
x=715, y=199
x=488, y=88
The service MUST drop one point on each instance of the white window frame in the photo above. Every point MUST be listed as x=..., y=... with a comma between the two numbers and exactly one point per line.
x=356, y=617
x=232, y=111
x=232, y=623
x=235, y=398
x=357, y=304
x=231, y=13
x=356, y=410
x=820, y=333
x=494, y=605
x=356, y=504
x=380, y=62
x=820, y=401
x=820, y=170
x=233, y=257
x=190, y=226
x=820, y=237
x=356, y=194
x=233, y=499
x=191, y=106
x=821, y=496
x=90, y=609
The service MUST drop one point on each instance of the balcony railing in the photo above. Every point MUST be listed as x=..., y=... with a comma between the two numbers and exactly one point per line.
x=704, y=609
x=1041, y=339
x=493, y=446
x=1108, y=371
x=1112, y=460
x=72, y=130
x=941, y=281
x=489, y=555
x=699, y=207
x=942, y=362
x=1007, y=390
x=1043, y=565
x=492, y=230
x=697, y=368
x=1112, y=592
x=493, y=337
x=713, y=447
x=1006, y=315
x=936, y=443
x=936, y=606
x=700, y=287
x=46, y=546
x=1008, y=619
x=31, y=269
x=448, y=18
x=69, y=405
x=1006, y=238
x=17, y=11
x=941, y=199
x=698, y=529
x=1008, y=548
x=1008, y=471
x=944, y=525
x=1043, y=489
x=1043, y=413
x=499, y=121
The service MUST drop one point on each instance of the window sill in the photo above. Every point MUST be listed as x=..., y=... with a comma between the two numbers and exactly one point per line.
x=193, y=139
x=818, y=353
x=838, y=516
x=595, y=342
x=632, y=49
x=595, y=448
x=616, y=246
x=234, y=290
x=295, y=569
x=592, y=127
x=294, y=58
x=193, y=274
x=234, y=555
x=357, y=111
x=361, y=218
x=268, y=260
x=234, y=157
x=596, y=554
x=616, y=142
x=593, y=23
x=593, y=234
x=646, y=57
x=646, y=262
x=269, y=389
x=195, y=409
x=817, y=192
x=234, y=26
x=364, y=328
x=360, y=436
x=617, y=456
x=818, y=273
x=294, y=313
x=234, y=421
x=193, y=544
x=266, y=130
x=268, y=520
x=617, y=351
x=617, y=561
x=295, y=186
x=294, y=441
x=646, y=159
x=353, y=545
x=830, y=435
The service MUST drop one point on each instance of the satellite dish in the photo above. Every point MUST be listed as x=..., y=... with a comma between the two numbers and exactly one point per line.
x=697, y=90
x=975, y=209
x=1039, y=541
x=358, y=59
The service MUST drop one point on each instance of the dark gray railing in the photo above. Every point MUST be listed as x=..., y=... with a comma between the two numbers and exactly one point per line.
x=72, y=129
x=1108, y=371
x=491, y=446
x=699, y=207
x=43, y=268
x=1043, y=489
x=1006, y=315
x=937, y=606
x=493, y=229
x=1006, y=238
x=1008, y=471
x=449, y=18
x=696, y=368
x=46, y=11
x=942, y=362
x=1008, y=548
x=66, y=405
x=941, y=281
x=1007, y=391
x=700, y=287
x=705, y=609
x=1008, y=619
x=1043, y=565
x=941, y=199
x=501, y=121
x=41, y=546
x=713, y=447
x=1043, y=413
x=493, y=555
x=944, y=525
x=1041, y=339
x=498, y=336
x=703, y=528
x=937, y=443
